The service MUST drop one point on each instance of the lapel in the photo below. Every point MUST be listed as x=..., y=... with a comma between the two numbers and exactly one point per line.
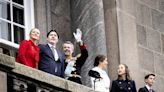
x=146, y=89
x=49, y=52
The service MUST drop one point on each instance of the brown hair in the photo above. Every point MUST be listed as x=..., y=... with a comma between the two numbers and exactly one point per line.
x=127, y=76
x=98, y=59
x=147, y=76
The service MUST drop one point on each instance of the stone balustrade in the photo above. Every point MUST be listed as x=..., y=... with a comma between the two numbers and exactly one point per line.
x=21, y=78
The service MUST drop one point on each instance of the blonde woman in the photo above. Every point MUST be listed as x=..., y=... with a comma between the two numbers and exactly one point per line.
x=28, y=52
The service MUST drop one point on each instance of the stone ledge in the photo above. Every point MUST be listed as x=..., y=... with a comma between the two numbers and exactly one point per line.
x=7, y=61
x=42, y=76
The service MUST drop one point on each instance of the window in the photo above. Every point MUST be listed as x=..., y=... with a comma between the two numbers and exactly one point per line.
x=16, y=20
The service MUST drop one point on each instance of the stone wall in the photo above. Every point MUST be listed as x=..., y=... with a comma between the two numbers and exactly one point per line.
x=140, y=27
x=150, y=30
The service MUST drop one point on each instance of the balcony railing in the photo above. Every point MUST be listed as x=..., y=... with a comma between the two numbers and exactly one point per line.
x=21, y=78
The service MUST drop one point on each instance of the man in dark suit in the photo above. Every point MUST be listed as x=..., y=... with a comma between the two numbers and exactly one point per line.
x=149, y=80
x=51, y=59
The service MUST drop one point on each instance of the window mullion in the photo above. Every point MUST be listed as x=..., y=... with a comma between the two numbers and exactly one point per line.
x=12, y=25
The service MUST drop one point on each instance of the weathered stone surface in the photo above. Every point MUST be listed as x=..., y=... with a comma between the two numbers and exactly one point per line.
x=158, y=64
x=7, y=61
x=111, y=34
x=141, y=35
x=61, y=20
x=3, y=82
x=158, y=20
x=158, y=85
x=150, y=3
x=146, y=59
x=143, y=15
x=50, y=79
x=38, y=75
x=126, y=26
x=127, y=6
x=153, y=39
x=161, y=5
x=40, y=18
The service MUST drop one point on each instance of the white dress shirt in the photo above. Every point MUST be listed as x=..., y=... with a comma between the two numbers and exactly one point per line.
x=149, y=88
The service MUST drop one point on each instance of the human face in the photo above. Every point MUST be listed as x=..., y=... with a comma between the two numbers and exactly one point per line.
x=104, y=64
x=52, y=38
x=68, y=49
x=150, y=80
x=34, y=34
x=121, y=70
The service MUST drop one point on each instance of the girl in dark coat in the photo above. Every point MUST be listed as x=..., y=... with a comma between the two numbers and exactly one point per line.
x=123, y=82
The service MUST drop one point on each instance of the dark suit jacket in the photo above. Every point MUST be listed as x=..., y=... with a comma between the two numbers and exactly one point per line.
x=123, y=86
x=144, y=89
x=47, y=61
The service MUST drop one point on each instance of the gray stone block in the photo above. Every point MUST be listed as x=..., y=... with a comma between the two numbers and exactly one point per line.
x=141, y=35
x=3, y=82
x=158, y=85
x=127, y=6
x=161, y=5
x=153, y=39
x=143, y=15
x=146, y=59
x=7, y=61
x=159, y=63
x=158, y=20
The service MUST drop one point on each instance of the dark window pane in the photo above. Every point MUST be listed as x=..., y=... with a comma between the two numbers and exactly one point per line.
x=18, y=1
x=18, y=34
x=5, y=10
x=5, y=30
x=18, y=15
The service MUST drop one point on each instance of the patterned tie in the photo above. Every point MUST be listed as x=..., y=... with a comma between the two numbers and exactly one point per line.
x=55, y=53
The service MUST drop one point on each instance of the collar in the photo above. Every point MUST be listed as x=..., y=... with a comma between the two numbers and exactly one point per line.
x=148, y=87
x=50, y=45
x=98, y=69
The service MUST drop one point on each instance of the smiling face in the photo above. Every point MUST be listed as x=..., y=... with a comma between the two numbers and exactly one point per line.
x=34, y=34
x=68, y=49
x=52, y=38
x=121, y=70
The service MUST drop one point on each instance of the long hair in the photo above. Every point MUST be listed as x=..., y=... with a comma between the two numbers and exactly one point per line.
x=127, y=73
x=98, y=59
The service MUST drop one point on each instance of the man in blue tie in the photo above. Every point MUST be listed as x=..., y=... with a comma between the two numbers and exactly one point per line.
x=51, y=60
x=149, y=80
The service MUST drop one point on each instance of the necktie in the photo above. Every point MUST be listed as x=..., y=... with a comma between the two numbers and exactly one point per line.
x=150, y=90
x=55, y=53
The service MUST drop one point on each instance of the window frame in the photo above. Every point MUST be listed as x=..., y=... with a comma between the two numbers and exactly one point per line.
x=28, y=22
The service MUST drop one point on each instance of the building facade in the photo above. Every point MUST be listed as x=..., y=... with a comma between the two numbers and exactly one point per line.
x=127, y=31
